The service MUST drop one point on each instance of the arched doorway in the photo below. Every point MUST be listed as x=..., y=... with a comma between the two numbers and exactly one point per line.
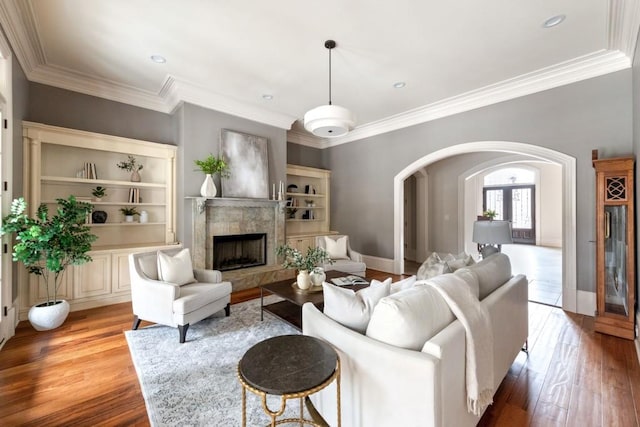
x=568, y=164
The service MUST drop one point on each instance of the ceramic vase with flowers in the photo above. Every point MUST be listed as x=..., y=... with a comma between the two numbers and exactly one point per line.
x=132, y=165
x=210, y=166
x=305, y=264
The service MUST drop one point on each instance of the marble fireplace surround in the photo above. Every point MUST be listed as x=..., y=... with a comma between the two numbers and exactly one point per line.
x=228, y=216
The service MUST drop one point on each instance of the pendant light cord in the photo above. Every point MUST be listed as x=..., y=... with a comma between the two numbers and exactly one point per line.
x=330, y=75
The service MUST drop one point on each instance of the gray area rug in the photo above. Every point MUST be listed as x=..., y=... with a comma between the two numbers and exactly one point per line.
x=195, y=383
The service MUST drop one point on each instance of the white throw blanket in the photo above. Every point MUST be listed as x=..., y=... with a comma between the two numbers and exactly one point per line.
x=479, y=352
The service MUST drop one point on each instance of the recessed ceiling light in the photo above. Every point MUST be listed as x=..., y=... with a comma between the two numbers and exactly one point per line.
x=267, y=97
x=399, y=85
x=158, y=58
x=553, y=21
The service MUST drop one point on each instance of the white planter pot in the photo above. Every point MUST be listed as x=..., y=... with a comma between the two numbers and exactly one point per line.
x=317, y=276
x=128, y=218
x=47, y=317
x=208, y=188
x=303, y=280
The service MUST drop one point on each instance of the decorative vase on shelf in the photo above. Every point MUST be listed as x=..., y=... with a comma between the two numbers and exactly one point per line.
x=317, y=276
x=144, y=217
x=135, y=176
x=303, y=280
x=208, y=188
x=128, y=218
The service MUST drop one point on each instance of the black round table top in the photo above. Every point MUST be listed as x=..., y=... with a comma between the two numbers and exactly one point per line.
x=288, y=364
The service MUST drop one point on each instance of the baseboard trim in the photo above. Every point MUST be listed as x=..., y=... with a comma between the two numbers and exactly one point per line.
x=380, y=264
x=637, y=343
x=84, y=305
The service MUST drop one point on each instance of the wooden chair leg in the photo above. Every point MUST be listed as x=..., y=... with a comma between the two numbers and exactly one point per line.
x=227, y=310
x=183, y=332
x=136, y=322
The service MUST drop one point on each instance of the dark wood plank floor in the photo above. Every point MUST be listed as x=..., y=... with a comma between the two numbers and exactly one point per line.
x=81, y=374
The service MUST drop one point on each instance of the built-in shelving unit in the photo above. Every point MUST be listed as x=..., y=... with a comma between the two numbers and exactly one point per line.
x=308, y=205
x=54, y=165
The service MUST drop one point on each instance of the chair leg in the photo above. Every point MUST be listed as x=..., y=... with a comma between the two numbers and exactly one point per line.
x=525, y=348
x=183, y=332
x=227, y=310
x=136, y=322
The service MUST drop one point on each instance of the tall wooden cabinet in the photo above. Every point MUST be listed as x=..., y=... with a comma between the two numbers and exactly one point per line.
x=615, y=247
x=308, y=205
x=55, y=166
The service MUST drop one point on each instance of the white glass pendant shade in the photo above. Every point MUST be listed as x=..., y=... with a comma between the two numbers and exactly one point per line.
x=329, y=121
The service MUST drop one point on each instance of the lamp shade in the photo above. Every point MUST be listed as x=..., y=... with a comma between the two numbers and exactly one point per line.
x=492, y=232
x=329, y=121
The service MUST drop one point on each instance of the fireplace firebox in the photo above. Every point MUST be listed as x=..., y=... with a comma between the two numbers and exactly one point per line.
x=232, y=252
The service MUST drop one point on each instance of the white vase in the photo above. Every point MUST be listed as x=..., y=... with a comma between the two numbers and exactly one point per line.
x=208, y=188
x=303, y=280
x=317, y=276
x=135, y=176
x=46, y=317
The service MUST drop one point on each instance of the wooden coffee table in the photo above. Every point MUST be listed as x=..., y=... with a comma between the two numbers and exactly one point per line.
x=290, y=309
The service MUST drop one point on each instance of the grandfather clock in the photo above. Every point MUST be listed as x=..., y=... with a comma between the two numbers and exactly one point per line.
x=615, y=246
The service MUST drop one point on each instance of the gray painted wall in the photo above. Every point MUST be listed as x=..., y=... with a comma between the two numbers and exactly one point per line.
x=573, y=119
x=200, y=135
x=306, y=156
x=60, y=107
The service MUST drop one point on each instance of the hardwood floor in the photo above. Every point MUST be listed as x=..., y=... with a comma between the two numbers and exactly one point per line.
x=81, y=374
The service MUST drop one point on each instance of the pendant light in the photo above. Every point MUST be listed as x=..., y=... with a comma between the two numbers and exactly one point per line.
x=329, y=120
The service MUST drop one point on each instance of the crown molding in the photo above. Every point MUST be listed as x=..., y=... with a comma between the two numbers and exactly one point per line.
x=624, y=21
x=588, y=66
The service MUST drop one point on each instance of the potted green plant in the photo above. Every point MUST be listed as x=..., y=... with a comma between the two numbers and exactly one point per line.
x=47, y=246
x=210, y=166
x=129, y=212
x=99, y=192
x=131, y=165
x=489, y=213
x=306, y=263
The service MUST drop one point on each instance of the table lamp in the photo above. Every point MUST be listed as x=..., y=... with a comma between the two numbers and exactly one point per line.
x=491, y=235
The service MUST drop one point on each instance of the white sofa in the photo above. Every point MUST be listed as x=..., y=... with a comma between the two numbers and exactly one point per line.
x=385, y=385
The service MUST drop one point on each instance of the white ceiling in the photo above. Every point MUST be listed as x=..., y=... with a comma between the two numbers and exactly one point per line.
x=225, y=55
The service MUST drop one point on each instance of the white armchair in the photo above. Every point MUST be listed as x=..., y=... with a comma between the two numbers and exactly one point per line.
x=172, y=303
x=345, y=259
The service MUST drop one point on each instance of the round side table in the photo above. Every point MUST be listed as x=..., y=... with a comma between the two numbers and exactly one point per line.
x=289, y=366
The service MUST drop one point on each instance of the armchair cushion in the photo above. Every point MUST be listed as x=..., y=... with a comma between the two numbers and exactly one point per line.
x=177, y=268
x=197, y=295
x=336, y=248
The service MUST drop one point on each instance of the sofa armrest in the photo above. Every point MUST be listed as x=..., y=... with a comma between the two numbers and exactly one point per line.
x=207, y=276
x=381, y=385
x=355, y=256
x=152, y=300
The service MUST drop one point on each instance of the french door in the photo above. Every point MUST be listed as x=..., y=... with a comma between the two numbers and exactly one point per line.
x=515, y=203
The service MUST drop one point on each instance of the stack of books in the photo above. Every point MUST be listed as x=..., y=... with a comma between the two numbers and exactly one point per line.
x=134, y=195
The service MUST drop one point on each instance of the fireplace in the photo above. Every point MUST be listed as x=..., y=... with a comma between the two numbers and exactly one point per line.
x=232, y=252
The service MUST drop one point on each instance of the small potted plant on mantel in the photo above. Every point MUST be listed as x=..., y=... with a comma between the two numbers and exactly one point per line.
x=129, y=212
x=47, y=246
x=210, y=166
x=305, y=264
x=131, y=165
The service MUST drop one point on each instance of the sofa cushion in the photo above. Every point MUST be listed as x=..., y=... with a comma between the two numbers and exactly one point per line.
x=176, y=269
x=470, y=279
x=403, y=284
x=492, y=272
x=353, y=309
x=409, y=318
x=431, y=267
x=336, y=248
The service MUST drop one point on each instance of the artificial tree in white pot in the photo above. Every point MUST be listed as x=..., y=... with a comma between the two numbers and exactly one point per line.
x=47, y=246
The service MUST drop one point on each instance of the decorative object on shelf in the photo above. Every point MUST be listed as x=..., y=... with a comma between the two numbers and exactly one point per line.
x=248, y=165
x=47, y=246
x=99, y=217
x=129, y=212
x=292, y=188
x=490, y=235
x=131, y=165
x=144, y=217
x=99, y=192
x=89, y=171
x=210, y=166
x=293, y=258
x=317, y=276
x=329, y=120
